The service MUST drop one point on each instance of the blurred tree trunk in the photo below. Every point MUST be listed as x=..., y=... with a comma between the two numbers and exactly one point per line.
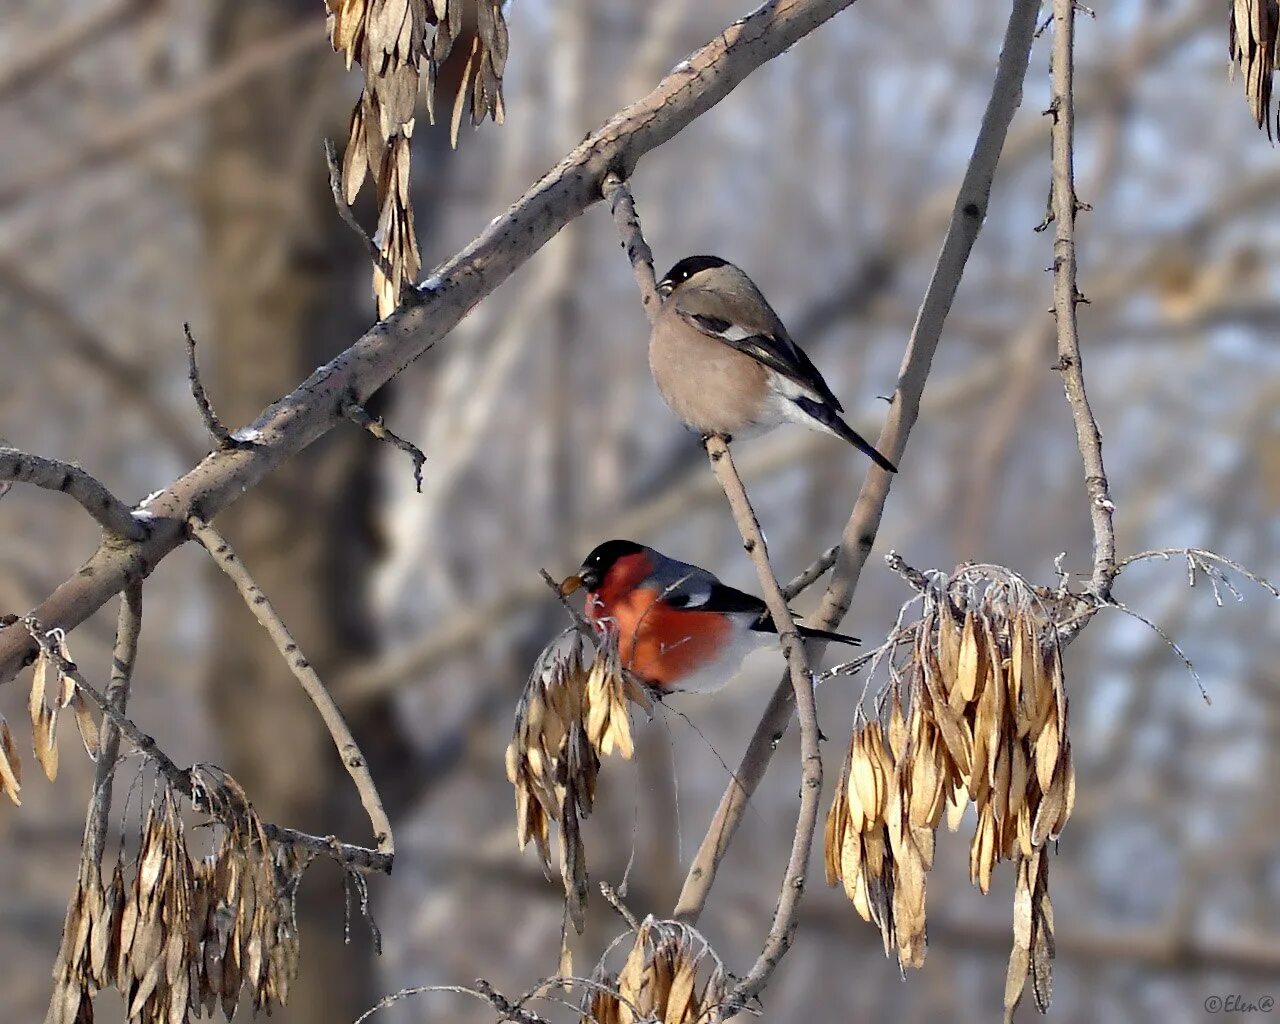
x=288, y=290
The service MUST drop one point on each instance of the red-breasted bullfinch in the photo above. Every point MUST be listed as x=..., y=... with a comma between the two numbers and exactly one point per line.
x=678, y=627
x=725, y=364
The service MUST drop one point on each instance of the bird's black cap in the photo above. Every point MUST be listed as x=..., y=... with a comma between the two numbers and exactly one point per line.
x=691, y=265
x=596, y=566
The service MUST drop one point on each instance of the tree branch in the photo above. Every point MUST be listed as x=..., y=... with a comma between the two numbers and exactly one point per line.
x=123, y=657
x=782, y=930
x=860, y=532
x=315, y=407
x=623, y=207
x=217, y=429
x=363, y=419
x=348, y=750
x=180, y=779
x=1064, y=206
x=110, y=512
x=348, y=217
x=811, y=574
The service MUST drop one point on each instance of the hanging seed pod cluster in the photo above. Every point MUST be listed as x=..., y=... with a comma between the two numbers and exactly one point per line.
x=570, y=715
x=671, y=975
x=52, y=691
x=178, y=937
x=976, y=713
x=390, y=39
x=475, y=33
x=1251, y=43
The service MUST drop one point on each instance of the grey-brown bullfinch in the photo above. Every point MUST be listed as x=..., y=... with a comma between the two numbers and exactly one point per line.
x=678, y=627
x=725, y=364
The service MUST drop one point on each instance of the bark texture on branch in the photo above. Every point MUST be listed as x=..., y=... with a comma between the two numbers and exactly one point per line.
x=800, y=677
x=348, y=750
x=110, y=512
x=124, y=656
x=1063, y=209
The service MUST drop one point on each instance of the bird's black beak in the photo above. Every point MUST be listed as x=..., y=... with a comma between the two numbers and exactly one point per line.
x=665, y=287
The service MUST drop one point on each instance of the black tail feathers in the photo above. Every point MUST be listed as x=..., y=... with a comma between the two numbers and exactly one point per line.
x=826, y=634
x=830, y=419
x=765, y=625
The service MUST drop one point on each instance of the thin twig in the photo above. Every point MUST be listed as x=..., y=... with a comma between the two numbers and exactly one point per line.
x=375, y=254
x=1170, y=642
x=212, y=424
x=809, y=576
x=483, y=992
x=614, y=900
x=112, y=513
x=180, y=779
x=349, y=855
x=360, y=416
x=123, y=657
x=1064, y=206
x=914, y=577
x=860, y=532
x=348, y=750
x=579, y=621
x=782, y=930
x=509, y=1010
x=623, y=207
x=1201, y=555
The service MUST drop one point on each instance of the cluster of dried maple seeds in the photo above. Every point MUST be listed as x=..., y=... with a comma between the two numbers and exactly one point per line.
x=985, y=722
x=570, y=715
x=181, y=938
x=390, y=39
x=1252, y=34
x=44, y=720
x=659, y=981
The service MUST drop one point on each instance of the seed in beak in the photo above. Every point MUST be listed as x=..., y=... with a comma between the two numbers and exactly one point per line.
x=570, y=584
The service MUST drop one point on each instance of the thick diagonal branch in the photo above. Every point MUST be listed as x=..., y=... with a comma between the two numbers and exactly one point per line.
x=860, y=532
x=112, y=513
x=352, y=759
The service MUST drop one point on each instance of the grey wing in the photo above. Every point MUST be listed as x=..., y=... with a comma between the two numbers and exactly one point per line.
x=684, y=586
x=763, y=338
x=687, y=586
